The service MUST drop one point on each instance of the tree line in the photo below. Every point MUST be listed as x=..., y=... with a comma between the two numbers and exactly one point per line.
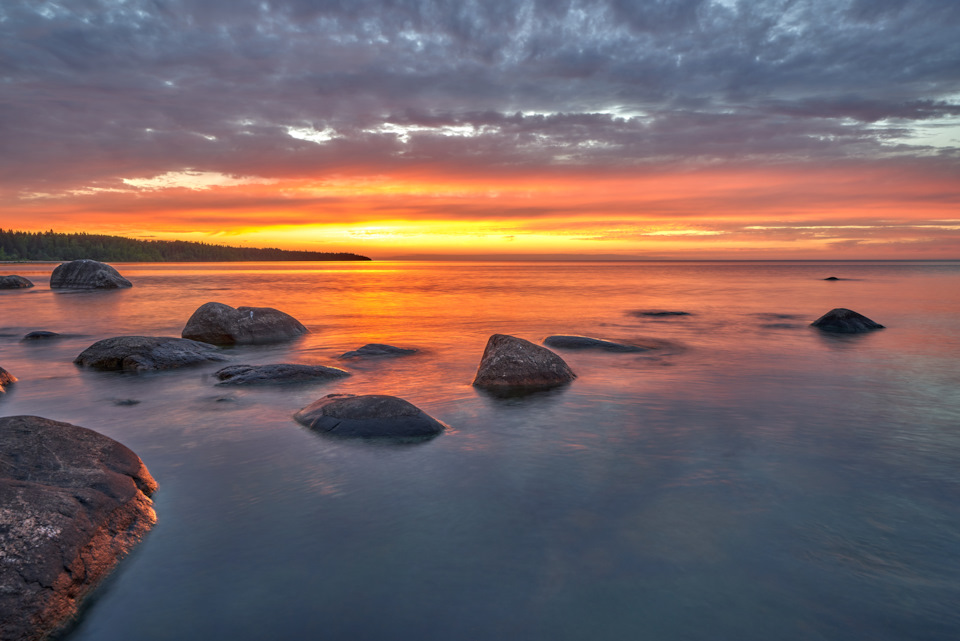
x=50, y=245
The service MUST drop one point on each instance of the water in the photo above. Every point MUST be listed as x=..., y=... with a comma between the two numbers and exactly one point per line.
x=751, y=479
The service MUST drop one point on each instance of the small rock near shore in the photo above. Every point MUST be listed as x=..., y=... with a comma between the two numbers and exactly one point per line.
x=509, y=362
x=39, y=335
x=845, y=321
x=14, y=282
x=87, y=274
x=6, y=378
x=586, y=342
x=368, y=416
x=377, y=349
x=278, y=374
x=140, y=353
x=220, y=324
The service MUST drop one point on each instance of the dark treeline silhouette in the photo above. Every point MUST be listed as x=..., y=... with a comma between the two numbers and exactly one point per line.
x=49, y=245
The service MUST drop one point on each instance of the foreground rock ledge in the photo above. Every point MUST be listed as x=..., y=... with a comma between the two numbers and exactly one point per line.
x=14, y=281
x=277, y=374
x=72, y=503
x=845, y=321
x=141, y=353
x=87, y=274
x=220, y=324
x=511, y=363
x=368, y=416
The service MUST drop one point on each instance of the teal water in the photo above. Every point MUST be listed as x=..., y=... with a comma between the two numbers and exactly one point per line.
x=750, y=479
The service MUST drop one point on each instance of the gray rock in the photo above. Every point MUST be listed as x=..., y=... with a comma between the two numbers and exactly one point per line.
x=278, y=374
x=139, y=353
x=845, y=321
x=87, y=274
x=368, y=416
x=40, y=334
x=831, y=278
x=586, y=342
x=221, y=324
x=509, y=363
x=72, y=503
x=14, y=282
x=6, y=378
x=378, y=349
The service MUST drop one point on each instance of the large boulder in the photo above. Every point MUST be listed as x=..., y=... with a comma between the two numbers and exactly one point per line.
x=5, y=379
x=369, y=416
x=87, y=274
x=278, y=374
x=72, y=503
x=510, y=363
x=14, y=282
x=139, y=353
x=845, y=321
x=586, y=342
x=377, y=350
x=221, y=324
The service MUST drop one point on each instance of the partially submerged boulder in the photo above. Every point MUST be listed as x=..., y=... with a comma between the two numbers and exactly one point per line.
x=278, y=374
x=14, y=282
x=509, y=363
x=72, y=503
x=378, y=349
x=586, y=342
x=368, y=416
x=87, y=274
x=139, y=353
x=658, y=313
x=5, y=379
x=220, y=324
x=845, y=321
x=39, y=335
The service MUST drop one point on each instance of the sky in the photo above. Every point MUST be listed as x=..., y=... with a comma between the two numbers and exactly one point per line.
x=716, y=129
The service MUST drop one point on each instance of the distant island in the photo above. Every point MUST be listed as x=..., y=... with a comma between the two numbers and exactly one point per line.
x=49, y=245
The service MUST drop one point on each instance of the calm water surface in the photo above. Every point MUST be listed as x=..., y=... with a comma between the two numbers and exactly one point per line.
x=751, y=478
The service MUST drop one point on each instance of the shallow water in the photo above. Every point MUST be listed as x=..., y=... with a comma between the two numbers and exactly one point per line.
x=750, y=478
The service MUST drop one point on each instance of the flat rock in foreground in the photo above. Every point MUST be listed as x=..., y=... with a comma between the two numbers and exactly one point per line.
x=87, y=274
x=378, y=349
x=586, y=342
x=278, y=374
x=14, y=282
x=139, y=353
x=845, y=321
x=368, y=416
x=5, y=379
x=220, y=324
x=510, y=363
x=72, y=503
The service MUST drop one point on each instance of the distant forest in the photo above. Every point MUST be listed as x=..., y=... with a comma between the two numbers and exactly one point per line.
x=49, y=245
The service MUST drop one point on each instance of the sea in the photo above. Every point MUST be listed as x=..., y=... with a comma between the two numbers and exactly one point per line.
x=746, y=477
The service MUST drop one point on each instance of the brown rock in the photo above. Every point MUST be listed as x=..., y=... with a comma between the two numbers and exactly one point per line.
x=220, y=324
x=368, y=416
x=514, y=363
x=5, y=379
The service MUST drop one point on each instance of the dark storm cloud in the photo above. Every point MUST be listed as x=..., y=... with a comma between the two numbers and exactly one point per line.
x=92, y=91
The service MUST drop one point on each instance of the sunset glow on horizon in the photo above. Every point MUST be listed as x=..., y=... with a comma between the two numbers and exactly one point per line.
x=687, y=129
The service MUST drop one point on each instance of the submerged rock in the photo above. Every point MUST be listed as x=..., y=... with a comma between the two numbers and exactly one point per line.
x=378, y=349
x=845, y=321
x=14, y=282
x=509, y=362
x=139, y=353
x=72, y=503
x=40, y=334
x=6, y=378
x=658, y=313
x=278, y=374
x=368, y=416
x=221, y=324
x=831, y=278
x=586, y=342
x=87, y=274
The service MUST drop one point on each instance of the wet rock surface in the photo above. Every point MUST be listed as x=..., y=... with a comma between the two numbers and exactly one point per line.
x=368, y=416
x=140, y=353
x=511, y=363
x=72, y=503
x=6, y=378
x=13, y=281
x=220, y=324
x=39, y=335
x=586, y=342
x=87, y=274
x=277, y=374
x=845, y=321
x=658, y=313
x=375, y=350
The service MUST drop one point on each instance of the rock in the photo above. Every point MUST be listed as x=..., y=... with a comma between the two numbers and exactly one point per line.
x=87, y=274
x=514, y=363
x=72, y=503
x=40, y=334
x=658, y=313
x=369, y=416
x=378, y=349
x=845, y=321
x=831, y=278
x=221, y=324
x=5, y=379
x=279, y=374
x=14, y=282
x=585, y=342
x=138, y=353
